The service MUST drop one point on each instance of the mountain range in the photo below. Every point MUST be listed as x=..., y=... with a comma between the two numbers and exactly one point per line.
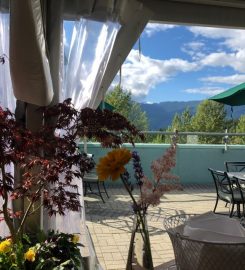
x=160, y=115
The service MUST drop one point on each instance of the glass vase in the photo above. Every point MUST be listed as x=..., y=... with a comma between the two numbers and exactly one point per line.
x=140, y=248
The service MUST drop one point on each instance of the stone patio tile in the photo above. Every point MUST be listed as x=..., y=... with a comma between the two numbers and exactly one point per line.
x=110, y=224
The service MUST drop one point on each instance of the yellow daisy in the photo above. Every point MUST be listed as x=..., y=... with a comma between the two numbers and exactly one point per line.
x=112, y=165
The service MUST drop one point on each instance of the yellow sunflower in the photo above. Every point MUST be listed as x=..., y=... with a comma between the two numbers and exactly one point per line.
x=75, y=238
x=112, y=165
x=30, y=255
x=5, y=246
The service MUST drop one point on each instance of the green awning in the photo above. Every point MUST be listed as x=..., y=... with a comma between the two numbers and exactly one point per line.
x=234, y=96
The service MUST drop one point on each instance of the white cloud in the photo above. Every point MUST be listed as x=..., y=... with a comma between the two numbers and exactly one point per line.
x=211, y=32
x=231, y=39
x=235, y=60
x=194, y=45
x=141, y=76
x=208, y=91
x=230, y=50
x=220, y=59
x=194, y=49
x=231, y=80
x=152, y=28
x=234, y=39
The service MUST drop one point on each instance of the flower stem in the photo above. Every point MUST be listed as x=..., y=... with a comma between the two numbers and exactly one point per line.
x=146, y=239
x=131, y=249
x=129, y=191
x=141, y=221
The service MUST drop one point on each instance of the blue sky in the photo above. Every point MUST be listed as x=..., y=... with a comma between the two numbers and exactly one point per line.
x=180, y=63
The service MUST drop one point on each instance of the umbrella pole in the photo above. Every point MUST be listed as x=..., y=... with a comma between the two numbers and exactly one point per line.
x=226, y=139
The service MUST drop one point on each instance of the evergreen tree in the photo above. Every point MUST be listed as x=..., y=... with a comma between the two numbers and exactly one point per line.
x=181, y=123
x=210, y=117
x=240, y=128
x=123, y=103
x=186, y=119
x=138, y=117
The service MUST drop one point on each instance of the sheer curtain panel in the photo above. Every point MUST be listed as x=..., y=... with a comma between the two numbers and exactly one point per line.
x=7, y=99
x=87, y=49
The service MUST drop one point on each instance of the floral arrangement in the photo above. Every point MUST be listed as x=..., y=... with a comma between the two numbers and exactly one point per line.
x=42, y=158
x=112, y=166
x=55, y=251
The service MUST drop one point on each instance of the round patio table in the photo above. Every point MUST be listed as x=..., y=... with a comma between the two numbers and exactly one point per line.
x=192, y=254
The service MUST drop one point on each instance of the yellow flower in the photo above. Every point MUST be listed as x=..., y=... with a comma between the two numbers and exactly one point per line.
x=75, y=238
x=112, y=165
x=5, y=246
x=30, y=255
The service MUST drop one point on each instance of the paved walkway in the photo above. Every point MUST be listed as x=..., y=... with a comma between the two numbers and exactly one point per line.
x=110, y=223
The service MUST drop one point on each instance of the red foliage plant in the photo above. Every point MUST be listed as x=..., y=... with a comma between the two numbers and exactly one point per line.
x=44, y=157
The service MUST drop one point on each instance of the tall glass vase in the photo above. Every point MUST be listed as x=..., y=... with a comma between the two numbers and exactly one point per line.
x=140, y=248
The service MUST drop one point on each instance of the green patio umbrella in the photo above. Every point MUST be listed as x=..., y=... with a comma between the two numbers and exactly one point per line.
x=104, y=105
x=234, y=96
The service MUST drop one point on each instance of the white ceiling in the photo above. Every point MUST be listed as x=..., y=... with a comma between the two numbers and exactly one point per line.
x=227, y=3
x=221, y=13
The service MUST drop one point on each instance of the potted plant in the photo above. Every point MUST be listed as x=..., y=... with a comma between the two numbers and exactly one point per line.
x=43, y=157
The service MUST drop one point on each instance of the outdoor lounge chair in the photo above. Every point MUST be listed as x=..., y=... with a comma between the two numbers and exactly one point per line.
x=228, y=191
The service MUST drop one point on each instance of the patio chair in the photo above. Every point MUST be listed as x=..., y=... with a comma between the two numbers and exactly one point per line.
x=91, y=181
x=227, y=191
x=235, y=166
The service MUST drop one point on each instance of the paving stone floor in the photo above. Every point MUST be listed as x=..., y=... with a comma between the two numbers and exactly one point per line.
x=110, y=223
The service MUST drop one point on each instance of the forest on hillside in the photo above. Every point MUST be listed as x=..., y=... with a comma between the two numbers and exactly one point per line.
x=209, y=116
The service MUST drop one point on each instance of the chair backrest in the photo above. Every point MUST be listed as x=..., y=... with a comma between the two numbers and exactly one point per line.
x=90, y=155
x=92, y=171
x=235, y=166
x=222, y=181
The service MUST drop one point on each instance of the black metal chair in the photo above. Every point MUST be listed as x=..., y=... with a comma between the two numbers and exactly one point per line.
x=235, y=166
x=91, y=181
x=228, y=191
x=241, y=186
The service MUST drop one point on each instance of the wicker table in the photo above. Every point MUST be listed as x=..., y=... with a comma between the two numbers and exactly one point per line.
x=193, y=254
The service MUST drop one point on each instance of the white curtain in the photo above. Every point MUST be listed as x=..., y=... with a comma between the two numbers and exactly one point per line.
x=86, y=54
x=88, y=45
x=87, y=48
x=7, y=99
